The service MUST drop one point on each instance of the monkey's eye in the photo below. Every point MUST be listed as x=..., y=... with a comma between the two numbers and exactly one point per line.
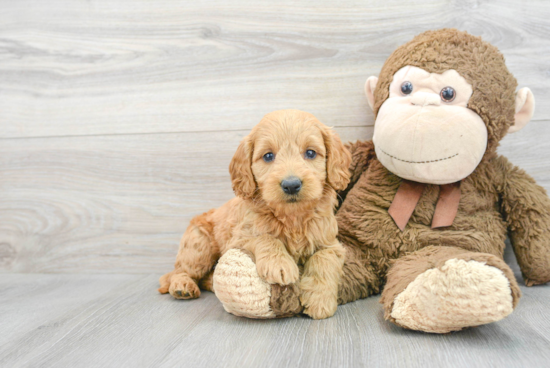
x=311, y=154
x=406, y=88
x=268, y=157
x=447, y=94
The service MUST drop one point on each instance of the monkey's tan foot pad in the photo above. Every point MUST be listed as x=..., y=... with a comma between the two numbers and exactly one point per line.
x=244, y=293
x=459, y=294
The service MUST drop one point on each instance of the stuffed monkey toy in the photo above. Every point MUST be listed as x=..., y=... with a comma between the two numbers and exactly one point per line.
x=430, y=203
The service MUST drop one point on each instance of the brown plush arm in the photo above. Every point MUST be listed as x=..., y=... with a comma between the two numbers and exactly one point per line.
x=526, y=209
x=361, y=154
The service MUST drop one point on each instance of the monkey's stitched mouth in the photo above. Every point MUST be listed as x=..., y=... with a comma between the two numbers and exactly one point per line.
x=419, y=162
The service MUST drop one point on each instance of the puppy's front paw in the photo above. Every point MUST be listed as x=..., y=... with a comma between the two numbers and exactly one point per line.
x=322, y=310
x=318, y=302
x=278, y=270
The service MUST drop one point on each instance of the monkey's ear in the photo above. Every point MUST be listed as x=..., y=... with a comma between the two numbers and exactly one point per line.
x=525, y=107
x=370, y=85
x=240, y=170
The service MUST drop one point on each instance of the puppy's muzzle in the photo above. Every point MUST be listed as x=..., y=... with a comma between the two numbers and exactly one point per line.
x=291, y=185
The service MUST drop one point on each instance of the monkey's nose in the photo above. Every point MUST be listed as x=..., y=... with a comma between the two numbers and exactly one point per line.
x=425, y=99
x=291, y=185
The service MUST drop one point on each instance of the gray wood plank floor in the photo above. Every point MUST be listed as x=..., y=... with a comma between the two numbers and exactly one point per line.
x=68, y=320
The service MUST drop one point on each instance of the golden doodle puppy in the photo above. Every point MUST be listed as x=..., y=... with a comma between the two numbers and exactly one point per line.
x=285, y=174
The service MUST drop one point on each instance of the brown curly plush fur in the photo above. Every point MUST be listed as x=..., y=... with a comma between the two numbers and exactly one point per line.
x=497, y=198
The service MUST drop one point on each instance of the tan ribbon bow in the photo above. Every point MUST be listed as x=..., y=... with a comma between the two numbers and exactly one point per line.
x=409, y=194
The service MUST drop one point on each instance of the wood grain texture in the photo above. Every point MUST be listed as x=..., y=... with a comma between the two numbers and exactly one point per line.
x=119, y=203
x=118, y=118
x=117, y=67
x=110, y=203
x=120, y=321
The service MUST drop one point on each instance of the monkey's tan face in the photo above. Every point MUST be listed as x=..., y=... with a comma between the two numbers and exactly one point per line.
x=424, y=130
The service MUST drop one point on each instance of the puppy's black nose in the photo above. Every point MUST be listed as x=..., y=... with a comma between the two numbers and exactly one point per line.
x=291, y=185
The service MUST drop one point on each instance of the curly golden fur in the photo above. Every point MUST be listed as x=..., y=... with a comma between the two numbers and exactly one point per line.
x=283, y=231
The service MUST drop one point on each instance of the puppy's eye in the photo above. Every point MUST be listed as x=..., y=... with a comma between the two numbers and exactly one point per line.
x=406, y=88
x=447, y=94
x=311, y=154
x=268, y=157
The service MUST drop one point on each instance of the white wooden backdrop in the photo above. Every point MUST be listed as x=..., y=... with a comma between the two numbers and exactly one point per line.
x=118, y=118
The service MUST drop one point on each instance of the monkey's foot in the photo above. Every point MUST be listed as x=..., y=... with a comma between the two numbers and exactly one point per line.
x=441, y=289
x=460, y=294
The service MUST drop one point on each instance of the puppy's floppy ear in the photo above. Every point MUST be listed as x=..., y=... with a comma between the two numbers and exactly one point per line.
x=240, y=170
x=338, y=160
